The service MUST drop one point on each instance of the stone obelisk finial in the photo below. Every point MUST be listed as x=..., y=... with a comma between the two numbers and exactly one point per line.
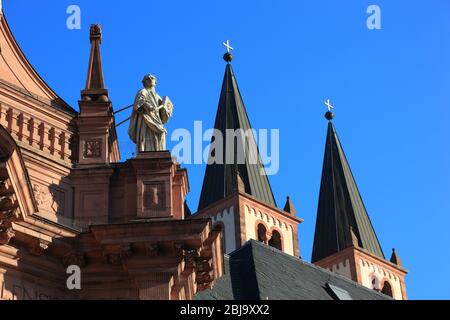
x=97, y=134
x=95, y=86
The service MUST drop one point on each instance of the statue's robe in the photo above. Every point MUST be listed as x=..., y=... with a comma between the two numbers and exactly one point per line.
x=146, y=127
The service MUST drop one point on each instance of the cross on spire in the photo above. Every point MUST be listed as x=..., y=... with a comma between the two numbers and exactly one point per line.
x=228, y=56
x=329, y=115
x=228, y=46
x=329, y=105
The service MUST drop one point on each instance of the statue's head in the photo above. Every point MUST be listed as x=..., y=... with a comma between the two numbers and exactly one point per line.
x=149, y=81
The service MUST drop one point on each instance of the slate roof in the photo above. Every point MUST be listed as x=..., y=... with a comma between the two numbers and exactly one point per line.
x=341, y=209
x=219, y=179
x=259, y=272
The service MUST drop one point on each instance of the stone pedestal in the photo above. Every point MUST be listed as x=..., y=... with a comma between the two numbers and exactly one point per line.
x=154, y=178
x=161, y=186
x=150, y=186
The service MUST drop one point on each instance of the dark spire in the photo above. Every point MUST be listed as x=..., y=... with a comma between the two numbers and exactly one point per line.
x=289, y=207
x=395, y=258
x=220, y=179
x=95, y=87
x=342, y=219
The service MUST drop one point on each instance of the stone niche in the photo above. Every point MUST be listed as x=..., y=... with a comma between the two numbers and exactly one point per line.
x=153, y=198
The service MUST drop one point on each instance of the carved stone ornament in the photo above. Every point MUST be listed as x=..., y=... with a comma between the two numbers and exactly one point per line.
x=95, y=32
x=8, y=214
x=93, y=148
x=204, y=265
x=204, y=277
x=116, y=254
x=6, y=234
x=74, y=258
x=151, y=249
x=114, y=258
x=38, y=247
x=42, y=197
x=179, y=249
x=190, y=257
x=48, y=198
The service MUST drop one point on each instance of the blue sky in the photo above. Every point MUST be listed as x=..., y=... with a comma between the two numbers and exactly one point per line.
x=390, y=87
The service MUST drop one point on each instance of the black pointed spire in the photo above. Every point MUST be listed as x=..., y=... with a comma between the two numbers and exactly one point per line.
x=342, y=219
x=220, y=179
x=395, y=258
x=289, y=207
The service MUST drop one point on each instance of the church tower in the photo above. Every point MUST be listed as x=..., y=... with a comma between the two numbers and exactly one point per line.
x=236, y=193
x=345, y=241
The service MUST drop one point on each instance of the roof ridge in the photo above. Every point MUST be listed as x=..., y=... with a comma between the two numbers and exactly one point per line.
x=309, y=264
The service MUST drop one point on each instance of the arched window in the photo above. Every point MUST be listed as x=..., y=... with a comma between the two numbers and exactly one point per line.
x=387, y=289
x=275, y=241
x=262, y=233
x=375, y=283
x=219, y=226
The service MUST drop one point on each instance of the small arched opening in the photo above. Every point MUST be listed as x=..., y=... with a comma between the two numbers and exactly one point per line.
x=375, y=282
x=275, y=240
x=387, y=289
x=262, y=233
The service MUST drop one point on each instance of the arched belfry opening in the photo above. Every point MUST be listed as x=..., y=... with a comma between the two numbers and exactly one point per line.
x=387, y=289
x=262, y=233
x=275, y=240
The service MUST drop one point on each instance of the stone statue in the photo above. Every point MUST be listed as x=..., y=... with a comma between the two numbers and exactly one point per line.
x=150, y=113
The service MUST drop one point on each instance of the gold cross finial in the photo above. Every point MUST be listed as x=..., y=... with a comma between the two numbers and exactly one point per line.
x=329, y=105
